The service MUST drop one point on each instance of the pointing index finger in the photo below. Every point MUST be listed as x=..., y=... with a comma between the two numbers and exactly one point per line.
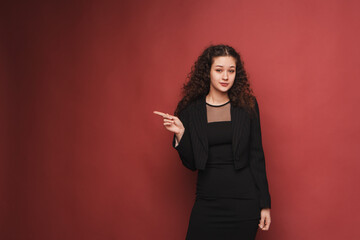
x=165, y=115
x=159, y=113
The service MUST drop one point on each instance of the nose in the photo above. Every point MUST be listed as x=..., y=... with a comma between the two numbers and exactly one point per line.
x=225, y=75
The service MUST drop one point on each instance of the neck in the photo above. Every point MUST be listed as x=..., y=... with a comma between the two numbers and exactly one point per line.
x=217, y=98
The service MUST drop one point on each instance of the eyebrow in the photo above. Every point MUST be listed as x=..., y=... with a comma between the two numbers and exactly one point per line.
x=222, y=66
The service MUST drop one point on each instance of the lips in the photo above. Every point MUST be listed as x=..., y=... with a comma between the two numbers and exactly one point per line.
x=224, y=84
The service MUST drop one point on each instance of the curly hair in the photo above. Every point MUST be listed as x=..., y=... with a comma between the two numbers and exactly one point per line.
x=240, y=94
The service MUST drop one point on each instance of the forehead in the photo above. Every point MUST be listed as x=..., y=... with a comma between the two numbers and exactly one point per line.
x=226, y=61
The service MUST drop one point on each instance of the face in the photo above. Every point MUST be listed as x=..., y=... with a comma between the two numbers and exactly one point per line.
x=222, y=73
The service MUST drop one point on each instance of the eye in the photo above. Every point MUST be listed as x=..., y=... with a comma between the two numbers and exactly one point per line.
x=232, y=71
x=218, y=70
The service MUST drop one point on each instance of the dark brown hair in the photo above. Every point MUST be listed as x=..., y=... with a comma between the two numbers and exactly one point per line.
x=198, y=84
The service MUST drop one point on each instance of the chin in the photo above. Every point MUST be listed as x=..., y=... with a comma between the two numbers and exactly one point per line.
x=224, y=90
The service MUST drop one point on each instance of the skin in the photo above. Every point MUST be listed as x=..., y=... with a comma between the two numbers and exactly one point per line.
x=223, y=70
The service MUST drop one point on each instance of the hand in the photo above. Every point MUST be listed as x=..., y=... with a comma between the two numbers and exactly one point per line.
x=265, y=219
x=171, y=123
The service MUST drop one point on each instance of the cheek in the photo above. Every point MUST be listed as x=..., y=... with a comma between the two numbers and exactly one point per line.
x=214, y=78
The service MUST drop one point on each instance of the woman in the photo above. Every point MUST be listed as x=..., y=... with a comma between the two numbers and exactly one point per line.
x=216, y=128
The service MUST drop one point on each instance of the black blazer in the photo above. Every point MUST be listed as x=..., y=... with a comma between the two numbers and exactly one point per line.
x=247, y=143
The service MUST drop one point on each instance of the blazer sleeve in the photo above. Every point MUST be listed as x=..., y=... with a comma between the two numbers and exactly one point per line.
x=184, y=148
x=257, y=160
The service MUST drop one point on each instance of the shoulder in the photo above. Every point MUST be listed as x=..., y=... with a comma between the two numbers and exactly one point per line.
x=256, y=110
x=251, y=110
x=256, y=102
x=184, y=113
x=188, y=108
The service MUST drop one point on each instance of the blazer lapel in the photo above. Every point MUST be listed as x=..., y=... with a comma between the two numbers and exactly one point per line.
x=200, y=122
x=237, y=123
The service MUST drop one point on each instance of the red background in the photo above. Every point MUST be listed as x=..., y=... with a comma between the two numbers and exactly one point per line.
x=84, y=157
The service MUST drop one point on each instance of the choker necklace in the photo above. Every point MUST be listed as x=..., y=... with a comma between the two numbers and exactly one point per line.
x=217, y=105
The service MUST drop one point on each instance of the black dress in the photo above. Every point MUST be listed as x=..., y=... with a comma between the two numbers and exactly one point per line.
x=226, y=204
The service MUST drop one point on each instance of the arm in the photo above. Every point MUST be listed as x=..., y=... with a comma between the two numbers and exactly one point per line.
x=257, y=160
x=184, y=147
x=178, y=138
